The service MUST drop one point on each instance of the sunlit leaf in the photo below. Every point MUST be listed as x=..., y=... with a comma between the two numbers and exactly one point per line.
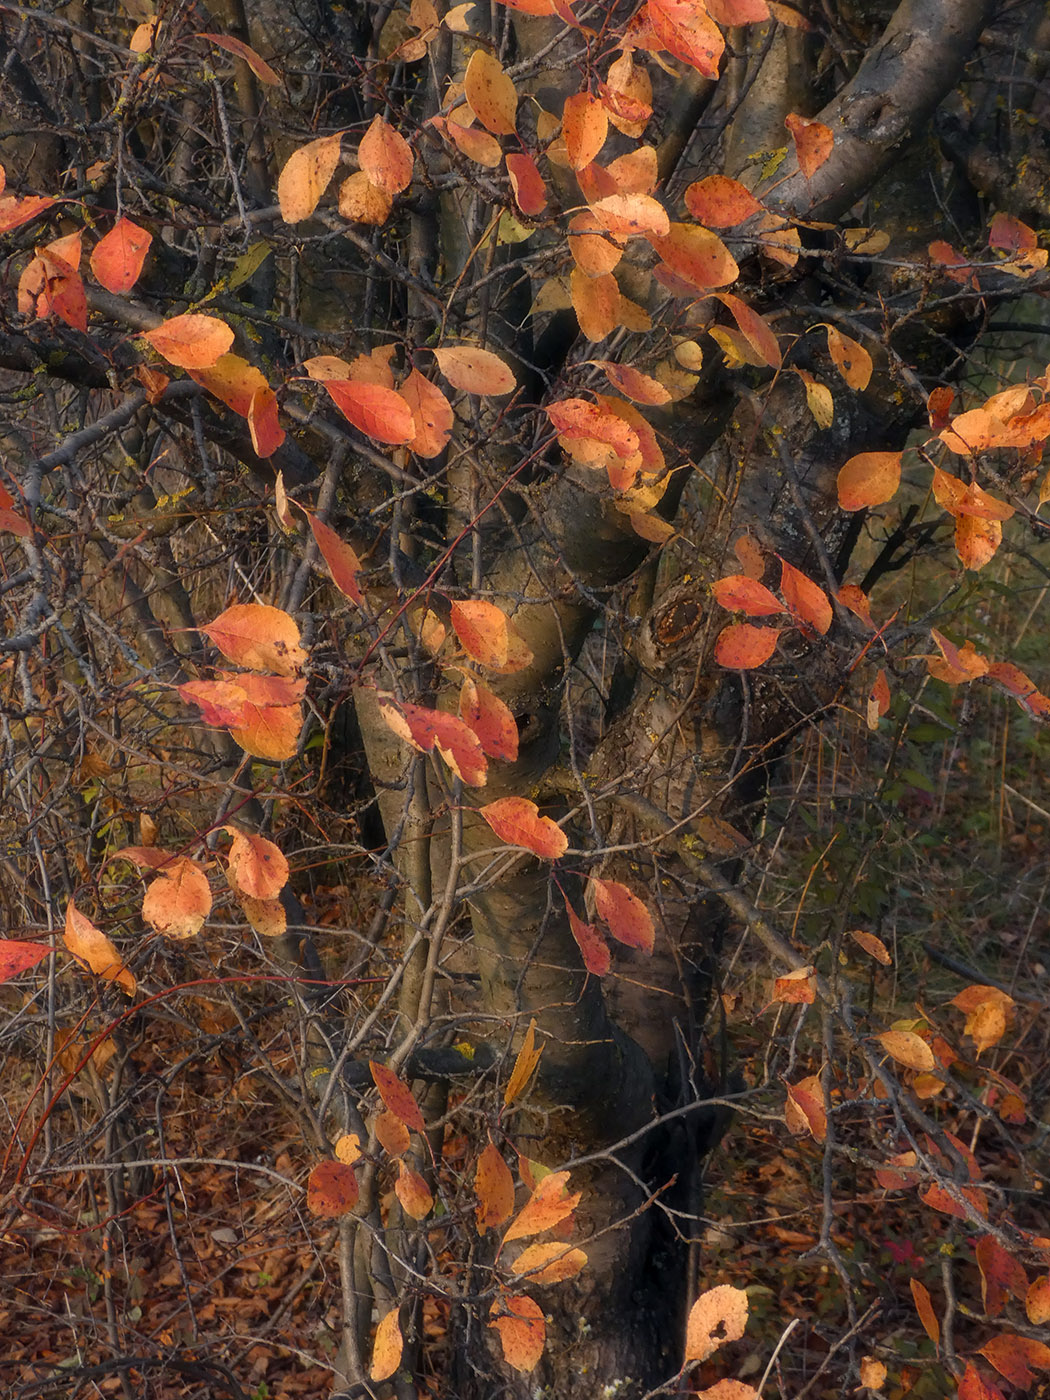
x=520, y=1323
x=191, y=341
x=387, y=1347
x=718, y=1316
x=397, y=1096
x=305, y=176
x=117, y=258
x=258, y=636
x=517, y=821
x=332, y=1190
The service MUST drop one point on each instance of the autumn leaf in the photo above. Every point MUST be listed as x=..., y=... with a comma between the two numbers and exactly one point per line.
x=117, y=258
x=475, y=371
x=494, y=1187
x=624, y=914
x=813, y=142
x=593, y=948
x=718, y=1316
x=491, y=95
x=259, y=66
x=549, y=1261
x=1017, y=1358
x=517, y=821
x=179, y=899
x=427, y=729
x=19, y=956
x=804, y=1111
x=385, y=156
x=490, y=719
x=305, y=176
x=397, y=1096
x=849, y=357
x=806, y=600
x=485, y=631
x=530, y=193
x=256, y=866
x=258, y=636
x=873, y=946
x=527, y=1059
x=263, y=423
x=93, y=950
x=387, y=1347
x=432, y=415
x=636, y=385
x=585, y=124
x=687, y=31
x=697, y=256
x=412, y=1191
x=741, y=646
x=908, y=1049
x=738, y=593
x=379, y=413
x=362, y=202
x=343, y=563
x=548, y=1205
x=1001, y=1274
x=191, y=341
x=924, y=1307
x=331, y=1190
x=522, y=1331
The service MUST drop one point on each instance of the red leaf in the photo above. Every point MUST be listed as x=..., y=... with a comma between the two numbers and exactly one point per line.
x=697, y=256
x=490, y=719
x=1015, y=1357
x=17, y=956
x=624, y=914
x=686, y=30
x=741, y=646
x=805, y=599
x=397, y=1096
x=426, y=729
x=530, y=193
x=593, y=947
x=431, y=413
x=343, y=563
x=720, y=202
x=738, y=593
x=331, y=1190
x=263, y=423
x=494, y=1186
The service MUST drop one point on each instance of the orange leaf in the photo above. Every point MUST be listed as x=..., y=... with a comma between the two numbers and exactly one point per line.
x=305, y=176
x=813, y=142
x=268, y=731
x=491, y=95
x=362, y=202
x=431, y=413
x=379, y=413
x=596, y=301
x=527, y=1059
x=686, y=30
x=255, y=635
x=517, y=821
x=221, y=703
x=741, y=646
x=93, y=950
x=426, y=729
x=960, y=498
x=191, y=341
x=520, y=1323
x=549, y=1261
x=1037, y=1302
x=266, y=916
x=872, y=945
x=478, y=146
x=908, y=1049
x=413, y=1192
x=625, y=215
x=974, y=1387
x=475, y=371
x=731, y=12
x=232, y=380
x=257, y=867
x=117, y=258
x=697, y=256
x=391, y=1133
x=530, y=193
x=805, y=599
x=385, y=156
x=490, y=719
x=14, y=212
x=804, y=1110
x=718, y=1316
x=585, y=125
x=738, y=593
x=397, y=1096
x=720, y=202
x=331, y=1190
x=1001, y=1274
x=1015, y=1357
x=924, y=1307
x=624, y=914
x=263, y=423
x=179, y=899
x=593, y=948
x=484, y=631
x=636, y=385
x=17, y=956
x=343, y=563
x=869, y=479
x=977, y=540
x=850, y=358
x=387, y=1347
x=796, y=988
x=259, y=66
x=755, y=329
x=494, y=1186
x=548, y=1205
